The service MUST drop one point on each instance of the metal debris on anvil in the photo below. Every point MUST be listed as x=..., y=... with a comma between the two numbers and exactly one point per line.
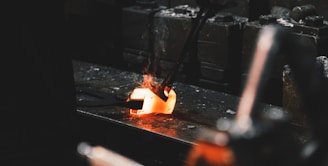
x=195, y=108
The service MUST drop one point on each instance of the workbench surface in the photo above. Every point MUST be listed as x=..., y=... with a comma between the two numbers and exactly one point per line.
x=196, y=107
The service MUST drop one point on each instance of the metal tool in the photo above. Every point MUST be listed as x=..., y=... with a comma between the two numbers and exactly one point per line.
x=313, y=89
x=101, y=156
x=255, y=132
x=207, y=9
x=266, y=138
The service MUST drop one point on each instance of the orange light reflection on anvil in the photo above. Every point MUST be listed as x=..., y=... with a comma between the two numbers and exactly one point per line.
x=151, y=123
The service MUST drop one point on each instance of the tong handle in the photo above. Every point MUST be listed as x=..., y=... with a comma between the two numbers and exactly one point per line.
x=163, y=90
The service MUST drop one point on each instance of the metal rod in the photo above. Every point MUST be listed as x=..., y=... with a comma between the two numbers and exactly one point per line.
x=260, y=68
x=101, y=156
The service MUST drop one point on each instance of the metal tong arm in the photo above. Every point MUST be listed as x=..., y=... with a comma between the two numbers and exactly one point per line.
x=163, y=90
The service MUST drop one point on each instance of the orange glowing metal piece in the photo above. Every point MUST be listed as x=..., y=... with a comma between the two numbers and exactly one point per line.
x=151, y=102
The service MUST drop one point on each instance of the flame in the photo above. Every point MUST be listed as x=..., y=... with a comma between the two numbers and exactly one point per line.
x=151, y=102
x=148, y=81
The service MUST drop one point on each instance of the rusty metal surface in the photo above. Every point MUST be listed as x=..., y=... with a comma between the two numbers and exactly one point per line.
x=196, y=108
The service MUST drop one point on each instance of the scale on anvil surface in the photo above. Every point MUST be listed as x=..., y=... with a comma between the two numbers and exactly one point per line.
x=195, y=108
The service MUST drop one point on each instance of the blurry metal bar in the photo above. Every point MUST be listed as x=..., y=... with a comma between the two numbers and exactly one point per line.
x=261, y=66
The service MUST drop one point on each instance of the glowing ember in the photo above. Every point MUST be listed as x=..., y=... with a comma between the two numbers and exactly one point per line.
x=151, y=102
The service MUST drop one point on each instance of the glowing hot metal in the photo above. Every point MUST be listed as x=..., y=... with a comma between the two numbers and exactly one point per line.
x=151, y=102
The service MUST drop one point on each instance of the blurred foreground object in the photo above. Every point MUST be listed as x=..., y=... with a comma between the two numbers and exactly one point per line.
x=208, y=152
x=258, y=137
x=100, y=156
